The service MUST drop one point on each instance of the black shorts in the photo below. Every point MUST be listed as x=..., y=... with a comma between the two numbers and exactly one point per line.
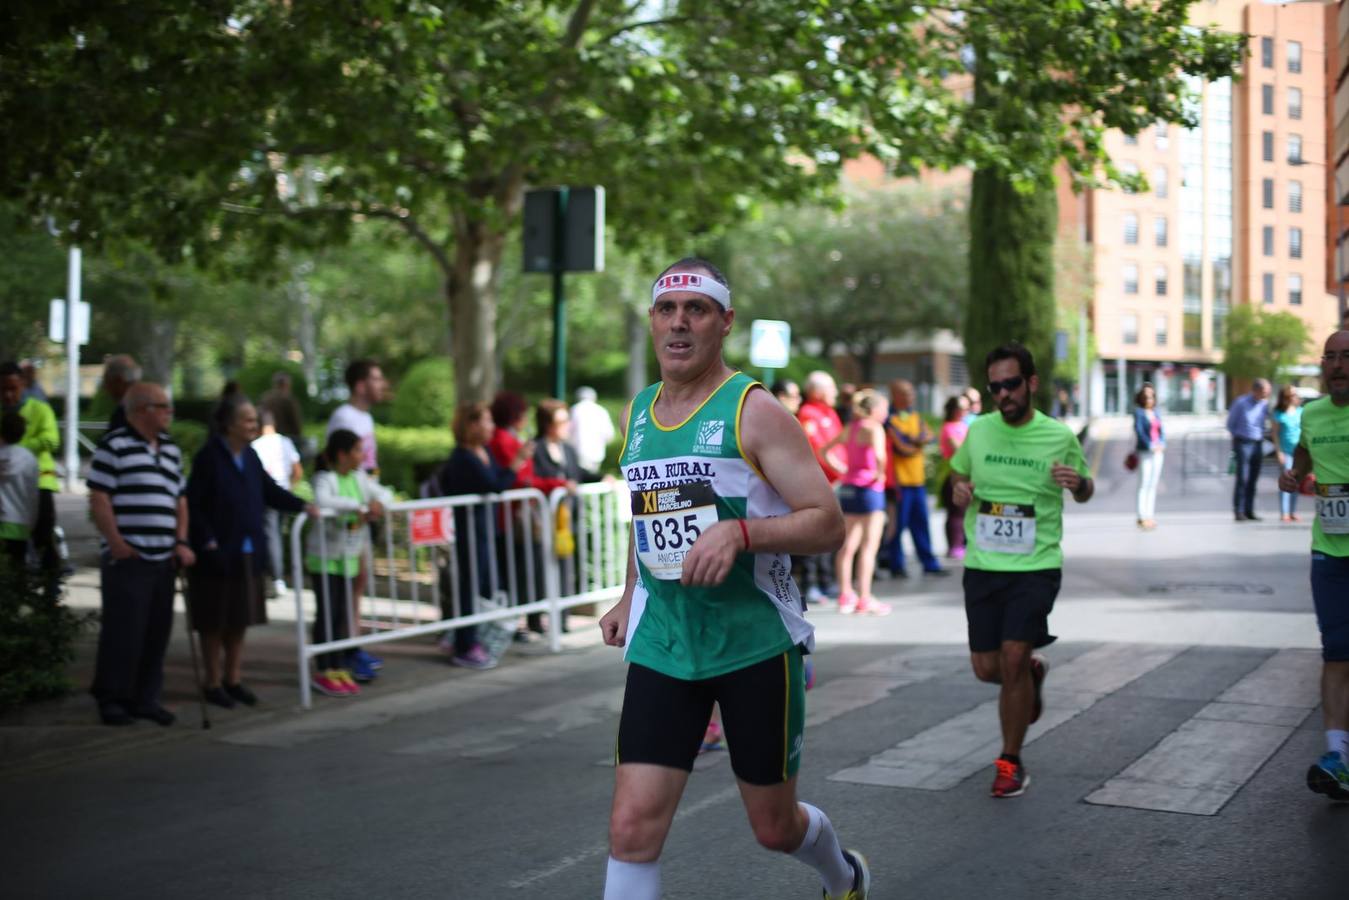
x=1009, y=606
x=763, y=714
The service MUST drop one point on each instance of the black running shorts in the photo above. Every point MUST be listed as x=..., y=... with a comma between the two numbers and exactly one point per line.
x=1009, y=606
x=763, y=713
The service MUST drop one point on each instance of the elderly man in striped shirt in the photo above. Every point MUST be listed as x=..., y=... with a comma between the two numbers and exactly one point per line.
x=136, y=496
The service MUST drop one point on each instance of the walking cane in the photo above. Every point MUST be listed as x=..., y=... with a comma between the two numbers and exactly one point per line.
x=192, y=648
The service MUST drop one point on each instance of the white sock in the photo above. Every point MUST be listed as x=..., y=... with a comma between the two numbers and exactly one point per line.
x=1338, y=742
x=632, y=881
x=820, y=851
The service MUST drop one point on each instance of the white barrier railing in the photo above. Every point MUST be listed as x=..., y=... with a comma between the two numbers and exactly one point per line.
x=446, y=563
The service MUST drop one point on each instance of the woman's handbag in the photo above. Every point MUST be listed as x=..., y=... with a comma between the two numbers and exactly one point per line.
x=1131, y=461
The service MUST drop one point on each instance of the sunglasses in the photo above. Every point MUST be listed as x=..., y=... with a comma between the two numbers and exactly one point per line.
x=1007, y=384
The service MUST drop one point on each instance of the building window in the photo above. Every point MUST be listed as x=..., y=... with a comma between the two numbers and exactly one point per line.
x=1267, y=99
x=1267, y=288
x=1129, y=327
x=1159, y=230
x=1159, y=185
x=1160, y=138
x=1295, y=196
x=1267, y=52
x=1294, y=290
x=1130, y=228
x=1295, y=148
x=1267, y=193
x=1131, y=278
x=1267, y=146
x=1159, y=325
x=1294, y=103
x=1295, y=243
x=1159, y=280
x=1267, y=239
x=1131, y=140
x=1294, y=56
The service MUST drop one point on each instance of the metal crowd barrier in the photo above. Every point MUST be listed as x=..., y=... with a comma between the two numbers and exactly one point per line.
x=426, y=553
x=1208, y=453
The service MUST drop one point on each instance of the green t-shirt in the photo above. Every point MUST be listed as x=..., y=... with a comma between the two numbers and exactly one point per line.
x=1015, y=521
x=1325, y=435
x=339, y=562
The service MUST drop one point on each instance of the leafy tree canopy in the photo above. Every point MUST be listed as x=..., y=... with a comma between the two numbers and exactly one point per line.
x=1262, y=344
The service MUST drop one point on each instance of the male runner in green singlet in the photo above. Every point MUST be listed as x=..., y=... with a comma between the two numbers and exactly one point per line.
x=1011, y=473
x=724, y=488
x=1324, y=451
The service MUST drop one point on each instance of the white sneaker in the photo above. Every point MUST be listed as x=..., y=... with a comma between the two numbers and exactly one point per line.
x=814, y=594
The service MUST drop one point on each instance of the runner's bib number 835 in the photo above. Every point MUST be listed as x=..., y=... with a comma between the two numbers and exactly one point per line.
x=1005, y=528
x=1332, y=508
x=667, y=521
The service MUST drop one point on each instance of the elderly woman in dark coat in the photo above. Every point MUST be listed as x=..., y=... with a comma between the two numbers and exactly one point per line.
x=226, y=494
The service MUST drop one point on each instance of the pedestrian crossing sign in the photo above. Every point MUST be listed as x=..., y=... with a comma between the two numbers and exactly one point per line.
x=770, y=343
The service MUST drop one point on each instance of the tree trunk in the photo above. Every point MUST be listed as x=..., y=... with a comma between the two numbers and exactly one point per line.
x=639, y=338
x=1011, y=265
x=157, y=352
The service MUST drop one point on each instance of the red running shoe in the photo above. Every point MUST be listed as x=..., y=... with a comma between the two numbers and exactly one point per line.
x=1011, y=779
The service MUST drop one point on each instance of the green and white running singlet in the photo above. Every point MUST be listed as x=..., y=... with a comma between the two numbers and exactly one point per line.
x=1325, y=435
x=684, y=478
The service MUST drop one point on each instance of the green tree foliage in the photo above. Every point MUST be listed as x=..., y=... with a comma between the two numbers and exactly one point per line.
x=1050, y=79
x=1261, y=344
x=883, y=264
x=425, y=396
x=32, y=271
x=196, y=127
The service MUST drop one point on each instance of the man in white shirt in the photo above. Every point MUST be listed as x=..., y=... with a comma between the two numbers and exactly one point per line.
x=367, y=386
x=281, y=461
x=592, y=430
x=18, y=489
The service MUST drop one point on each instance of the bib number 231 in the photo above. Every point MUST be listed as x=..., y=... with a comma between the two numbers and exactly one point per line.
x=666, y=523
x=1005, y=528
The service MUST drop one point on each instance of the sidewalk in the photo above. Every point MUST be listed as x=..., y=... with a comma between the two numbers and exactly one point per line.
x=1200, y=579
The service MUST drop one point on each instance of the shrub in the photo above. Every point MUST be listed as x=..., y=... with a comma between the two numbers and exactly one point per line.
x=37, y=639
x=190, y=437
x=409, y=455
x=425, y=397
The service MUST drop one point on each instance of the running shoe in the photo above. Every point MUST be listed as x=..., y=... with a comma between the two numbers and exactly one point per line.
x=847, y=604
x=475, y=657
x=870, y=606
x=348, y=680
x=328, y=682
x=861, y=880
x=373, y=662
x=711, y=738
x=1011, y=779
x=1039, y=668
x=361, y=669
x=1330, y=776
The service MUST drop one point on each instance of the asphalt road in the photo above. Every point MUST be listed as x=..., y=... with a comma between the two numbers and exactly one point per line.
x=1181, y=717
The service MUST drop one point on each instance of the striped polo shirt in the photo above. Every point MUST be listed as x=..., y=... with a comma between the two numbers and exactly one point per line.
x=144, y=485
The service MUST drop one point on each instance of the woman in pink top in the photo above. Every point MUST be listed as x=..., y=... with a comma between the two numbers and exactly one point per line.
x=861, y=494
x=953, y=432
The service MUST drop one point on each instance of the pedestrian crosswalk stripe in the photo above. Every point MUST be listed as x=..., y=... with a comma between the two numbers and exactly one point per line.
x=946, y=754
x=1198, y=767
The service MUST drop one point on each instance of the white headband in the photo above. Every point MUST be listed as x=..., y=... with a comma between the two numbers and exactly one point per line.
x=694, y=283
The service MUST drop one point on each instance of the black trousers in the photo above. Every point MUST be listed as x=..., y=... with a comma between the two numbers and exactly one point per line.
x=44, y=531
x=332, y=592
x=137, y=618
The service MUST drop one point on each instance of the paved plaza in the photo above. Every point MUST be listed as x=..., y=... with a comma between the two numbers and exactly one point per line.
x=1181, y=715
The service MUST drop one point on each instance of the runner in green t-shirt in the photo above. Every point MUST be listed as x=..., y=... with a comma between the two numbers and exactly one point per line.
x=724, y=486
x=1324, y=451
x=1011, y=473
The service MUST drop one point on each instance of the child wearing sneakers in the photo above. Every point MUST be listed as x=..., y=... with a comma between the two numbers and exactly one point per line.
x=333, y=550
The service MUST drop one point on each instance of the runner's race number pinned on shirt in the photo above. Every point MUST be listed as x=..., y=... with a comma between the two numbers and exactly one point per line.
x=667, y=521
x=1005, y=528
x=1332, y=508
